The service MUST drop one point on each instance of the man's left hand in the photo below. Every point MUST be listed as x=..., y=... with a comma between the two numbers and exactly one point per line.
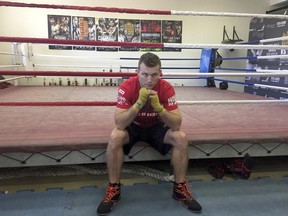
x=157, y=107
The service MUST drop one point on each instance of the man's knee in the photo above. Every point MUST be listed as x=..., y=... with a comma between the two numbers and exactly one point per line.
x=118, y=138
x=177, y=138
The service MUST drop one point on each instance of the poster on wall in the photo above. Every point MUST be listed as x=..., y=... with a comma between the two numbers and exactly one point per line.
x=129, y=31
x=107, y=30
x=171, y=33
x=151, y=33
x=83, y=28
x=59, y=28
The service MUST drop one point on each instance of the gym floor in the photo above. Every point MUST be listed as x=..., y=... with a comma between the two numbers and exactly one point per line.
x=58, y=191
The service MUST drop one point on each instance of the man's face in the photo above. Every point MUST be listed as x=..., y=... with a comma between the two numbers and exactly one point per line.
x=148, y=76
x=137, y=29
x=90, y=23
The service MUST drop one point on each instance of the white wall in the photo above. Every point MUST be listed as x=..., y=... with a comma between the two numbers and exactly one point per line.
x=277, y=2
x=32, y=22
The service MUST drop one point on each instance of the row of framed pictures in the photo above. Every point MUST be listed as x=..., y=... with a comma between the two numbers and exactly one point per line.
x=113, y=29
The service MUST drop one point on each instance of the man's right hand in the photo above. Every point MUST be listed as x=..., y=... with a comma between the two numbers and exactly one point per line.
x=142, y=99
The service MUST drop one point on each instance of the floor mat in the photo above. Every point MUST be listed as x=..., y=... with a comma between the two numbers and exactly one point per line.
x=221, y=197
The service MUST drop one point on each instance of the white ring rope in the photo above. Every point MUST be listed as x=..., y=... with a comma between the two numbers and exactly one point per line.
x=109, y=58
x=227, y=14
x=223, y=46
x=276, y=74
x=14, y=54
x=7, y=66
x=211, y=102
x=99, y=66
x=271, y=71
x=271, y=87
x=75, y=66
x=142, y=44
x=77, y=57
x=119, y=74
x=272, y=57
x=14, y=78
x=274, y=39
x=165, y=75
x=141, y=11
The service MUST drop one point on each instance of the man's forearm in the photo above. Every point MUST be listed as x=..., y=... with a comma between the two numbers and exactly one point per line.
x=171, y=119
x=124, y=118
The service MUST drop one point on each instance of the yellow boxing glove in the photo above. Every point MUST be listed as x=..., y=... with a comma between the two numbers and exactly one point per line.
x=157, y=107
x=142, y=99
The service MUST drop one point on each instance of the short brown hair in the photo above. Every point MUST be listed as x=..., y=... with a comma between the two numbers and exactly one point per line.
x=150, y=60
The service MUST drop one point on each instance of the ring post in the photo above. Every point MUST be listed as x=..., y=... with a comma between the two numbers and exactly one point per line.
x=207, y=65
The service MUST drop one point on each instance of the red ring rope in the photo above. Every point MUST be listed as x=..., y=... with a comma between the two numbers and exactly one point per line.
x=68, y=103
x=67, y=73
x=80, y=42
x=86, y=8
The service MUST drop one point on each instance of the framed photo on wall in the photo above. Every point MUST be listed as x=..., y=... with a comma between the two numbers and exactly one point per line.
x=107, y=30
x=59, y=27
x=171, y=33
x=151, y=33
x=129, y=31
x=83, y=28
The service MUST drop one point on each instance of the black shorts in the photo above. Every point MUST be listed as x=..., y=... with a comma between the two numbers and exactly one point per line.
x=154, y=136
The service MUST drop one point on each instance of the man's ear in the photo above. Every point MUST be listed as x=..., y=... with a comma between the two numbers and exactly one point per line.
x=161, y=74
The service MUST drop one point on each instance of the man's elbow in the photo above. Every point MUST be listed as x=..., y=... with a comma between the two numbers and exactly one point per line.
x=176, y=125
x=119, y=126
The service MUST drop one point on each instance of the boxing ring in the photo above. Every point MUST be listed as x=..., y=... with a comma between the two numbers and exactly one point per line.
x=48, y=125
x=60, y=116
x=79, y=134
